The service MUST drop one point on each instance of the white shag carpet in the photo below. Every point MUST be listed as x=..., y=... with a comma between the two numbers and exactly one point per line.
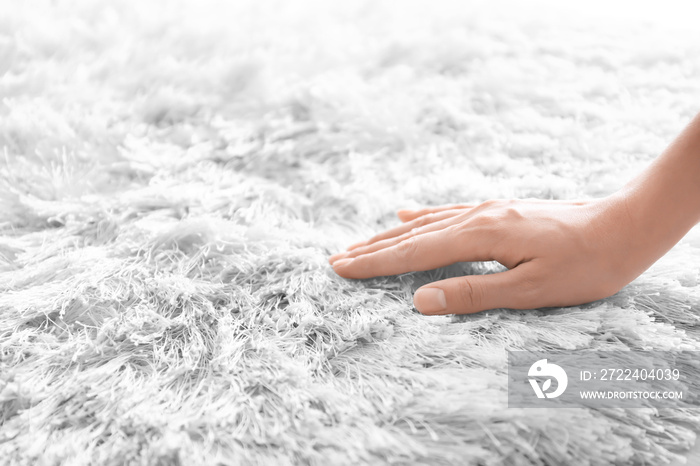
x=175, y=174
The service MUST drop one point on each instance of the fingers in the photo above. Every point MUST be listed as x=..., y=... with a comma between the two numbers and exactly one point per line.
x=417, y=218
x=406, y=215
x=475, y=293
x=404, y=228
x=375, y=246
x=420, y=252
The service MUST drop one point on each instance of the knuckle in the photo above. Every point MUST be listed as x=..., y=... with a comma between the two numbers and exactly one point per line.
x=423, y=220
x=512, y=213
x=496, y=217
x=456, y=231
x=408, y=247
x=490, y=219
x=470, y=294
x=413, y=232
x=498, y=202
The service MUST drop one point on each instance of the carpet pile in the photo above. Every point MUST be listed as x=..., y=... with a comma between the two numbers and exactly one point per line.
x=176, y=174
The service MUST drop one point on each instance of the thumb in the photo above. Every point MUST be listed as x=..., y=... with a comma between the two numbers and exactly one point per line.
x=475, y=293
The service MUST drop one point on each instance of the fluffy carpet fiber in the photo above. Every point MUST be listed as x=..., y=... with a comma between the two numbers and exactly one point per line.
x=174, y=176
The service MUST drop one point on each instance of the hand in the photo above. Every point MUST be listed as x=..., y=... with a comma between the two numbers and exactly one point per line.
x=558, y=253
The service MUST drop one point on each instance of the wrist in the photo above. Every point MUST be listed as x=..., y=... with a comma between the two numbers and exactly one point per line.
x=650, y=222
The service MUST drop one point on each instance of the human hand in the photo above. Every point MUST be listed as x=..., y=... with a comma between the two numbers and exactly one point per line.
x=558, y=253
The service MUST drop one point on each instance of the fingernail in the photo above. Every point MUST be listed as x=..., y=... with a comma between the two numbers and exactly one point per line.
x=342, y=262
x=357, y=245
x=335, y=257
x=430, y=300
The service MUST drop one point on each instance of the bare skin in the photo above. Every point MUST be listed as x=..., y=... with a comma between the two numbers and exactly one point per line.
x=558, y=253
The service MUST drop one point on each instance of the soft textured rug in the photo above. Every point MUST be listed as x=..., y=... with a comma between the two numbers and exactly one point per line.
x=174, y=176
